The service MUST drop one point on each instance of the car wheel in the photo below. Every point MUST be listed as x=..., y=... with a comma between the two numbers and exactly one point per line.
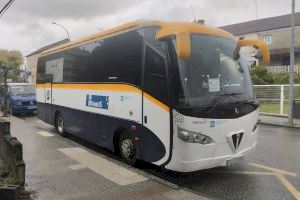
x=10, y=111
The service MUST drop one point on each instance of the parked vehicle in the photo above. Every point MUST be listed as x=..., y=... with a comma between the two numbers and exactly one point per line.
x=21, y=98
x=177, y=95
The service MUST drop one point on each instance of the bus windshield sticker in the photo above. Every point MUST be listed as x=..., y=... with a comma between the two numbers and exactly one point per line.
x=212, y=124
x=97, y=101
x=55, y=68
x=214, y=85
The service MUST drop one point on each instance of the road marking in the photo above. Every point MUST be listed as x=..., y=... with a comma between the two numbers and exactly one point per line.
x=247, y=173
x=273, y=169
x=289, y=186
x=280, y=175
x=102, y=166
x=45, y=134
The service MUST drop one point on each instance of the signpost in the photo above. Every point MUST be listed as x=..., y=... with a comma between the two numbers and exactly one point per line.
x=292, y=62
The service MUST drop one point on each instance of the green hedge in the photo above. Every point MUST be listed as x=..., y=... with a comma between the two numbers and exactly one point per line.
x=260, y=76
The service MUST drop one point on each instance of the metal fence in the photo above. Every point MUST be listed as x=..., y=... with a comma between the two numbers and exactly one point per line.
x=274, y=99
x=282, y=69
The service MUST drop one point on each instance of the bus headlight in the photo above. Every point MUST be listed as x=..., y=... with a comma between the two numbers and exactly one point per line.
x=192, y=137
x=18, y=103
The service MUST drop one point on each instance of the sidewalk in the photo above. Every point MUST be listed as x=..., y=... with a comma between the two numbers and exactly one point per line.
x=60, y=169
x=278, y=121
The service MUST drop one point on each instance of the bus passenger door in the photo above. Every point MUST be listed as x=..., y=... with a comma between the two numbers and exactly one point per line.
x=156, y=112
x=48, y=98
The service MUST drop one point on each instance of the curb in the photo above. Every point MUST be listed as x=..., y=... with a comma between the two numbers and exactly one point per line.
x=281, y=125
x=10, y=192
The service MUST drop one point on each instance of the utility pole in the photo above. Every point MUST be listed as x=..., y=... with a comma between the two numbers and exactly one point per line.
x=5, y=70
x=292, y=62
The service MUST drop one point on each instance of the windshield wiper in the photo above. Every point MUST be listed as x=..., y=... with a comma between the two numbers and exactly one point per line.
x=254, y=103
x=224, y=96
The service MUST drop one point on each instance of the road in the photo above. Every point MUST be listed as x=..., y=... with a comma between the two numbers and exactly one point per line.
x=271, y=172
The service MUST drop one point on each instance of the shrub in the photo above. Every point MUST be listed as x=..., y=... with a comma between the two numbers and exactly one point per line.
x=260, y=76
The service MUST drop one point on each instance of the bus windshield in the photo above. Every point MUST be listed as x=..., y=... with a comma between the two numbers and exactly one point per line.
x=211, y=73
x=22, y=89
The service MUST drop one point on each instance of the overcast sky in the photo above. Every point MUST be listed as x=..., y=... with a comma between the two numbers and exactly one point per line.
x=26, y=25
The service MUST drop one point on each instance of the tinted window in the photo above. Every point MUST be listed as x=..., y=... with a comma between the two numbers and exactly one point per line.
x=40, y=77
x=155, y=79
x=115, y=59
x=50, y=66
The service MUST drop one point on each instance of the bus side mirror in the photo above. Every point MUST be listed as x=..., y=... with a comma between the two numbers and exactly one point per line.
x=259, y=44
x=183, y=43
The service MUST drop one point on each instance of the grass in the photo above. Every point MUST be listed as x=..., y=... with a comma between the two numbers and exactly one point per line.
x=274, y=107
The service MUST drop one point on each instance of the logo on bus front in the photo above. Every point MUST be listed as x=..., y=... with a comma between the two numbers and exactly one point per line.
x=97, y=101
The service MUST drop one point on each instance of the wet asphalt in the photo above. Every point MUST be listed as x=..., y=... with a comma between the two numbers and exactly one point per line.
x=256, y=177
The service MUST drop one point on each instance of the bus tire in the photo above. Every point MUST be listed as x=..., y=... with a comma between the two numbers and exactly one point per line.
x=60, y=125
x=127, y=149
x=10, y=111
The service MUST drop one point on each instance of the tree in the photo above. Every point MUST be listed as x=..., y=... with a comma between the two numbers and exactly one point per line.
x=12, y=59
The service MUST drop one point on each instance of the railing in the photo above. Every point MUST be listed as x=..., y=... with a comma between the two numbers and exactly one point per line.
x=274, y=99
x=282, y=69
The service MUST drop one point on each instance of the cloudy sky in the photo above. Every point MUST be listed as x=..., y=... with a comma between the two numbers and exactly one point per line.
x=26, y=25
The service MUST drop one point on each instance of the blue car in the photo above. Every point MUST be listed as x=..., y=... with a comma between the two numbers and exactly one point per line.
x=21, y=98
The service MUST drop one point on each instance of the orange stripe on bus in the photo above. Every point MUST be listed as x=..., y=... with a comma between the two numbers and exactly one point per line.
x=109, y=87
x=156, y=102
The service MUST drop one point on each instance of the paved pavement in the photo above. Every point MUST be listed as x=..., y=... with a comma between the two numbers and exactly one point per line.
x=278, y=121
x=68, y=168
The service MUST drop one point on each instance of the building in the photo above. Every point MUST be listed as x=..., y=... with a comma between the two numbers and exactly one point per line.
x=32, y=59
x=275, y=31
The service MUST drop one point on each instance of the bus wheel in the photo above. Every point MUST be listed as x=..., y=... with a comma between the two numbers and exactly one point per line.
x=127, y=150
x=60, y=125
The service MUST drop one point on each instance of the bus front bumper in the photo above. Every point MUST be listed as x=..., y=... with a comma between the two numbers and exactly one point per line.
x=189, y=166
x=213, y=155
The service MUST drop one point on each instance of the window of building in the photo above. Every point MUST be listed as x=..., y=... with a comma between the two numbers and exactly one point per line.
x=268, y=39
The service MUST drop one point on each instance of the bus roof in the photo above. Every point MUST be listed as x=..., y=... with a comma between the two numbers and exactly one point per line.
x=169, y=27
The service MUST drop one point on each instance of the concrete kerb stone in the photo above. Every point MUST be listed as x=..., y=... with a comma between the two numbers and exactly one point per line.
x=10, y=192
x=277, y=120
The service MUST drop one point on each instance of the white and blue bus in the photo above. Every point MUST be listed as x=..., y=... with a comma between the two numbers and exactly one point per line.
x=177, y=95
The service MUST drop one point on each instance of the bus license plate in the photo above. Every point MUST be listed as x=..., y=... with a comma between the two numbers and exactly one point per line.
x=31, y=107
x=234, y=161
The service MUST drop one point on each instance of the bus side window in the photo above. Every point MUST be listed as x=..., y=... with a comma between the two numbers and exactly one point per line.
x=155, y=77
x=40, y=77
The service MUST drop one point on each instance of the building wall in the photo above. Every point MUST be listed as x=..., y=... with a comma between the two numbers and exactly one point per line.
x=32, y=65
x=279, y=46
x=281, y=38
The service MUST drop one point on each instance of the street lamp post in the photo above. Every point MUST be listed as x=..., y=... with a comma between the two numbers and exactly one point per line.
x=292, y=62
x=63, y=28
